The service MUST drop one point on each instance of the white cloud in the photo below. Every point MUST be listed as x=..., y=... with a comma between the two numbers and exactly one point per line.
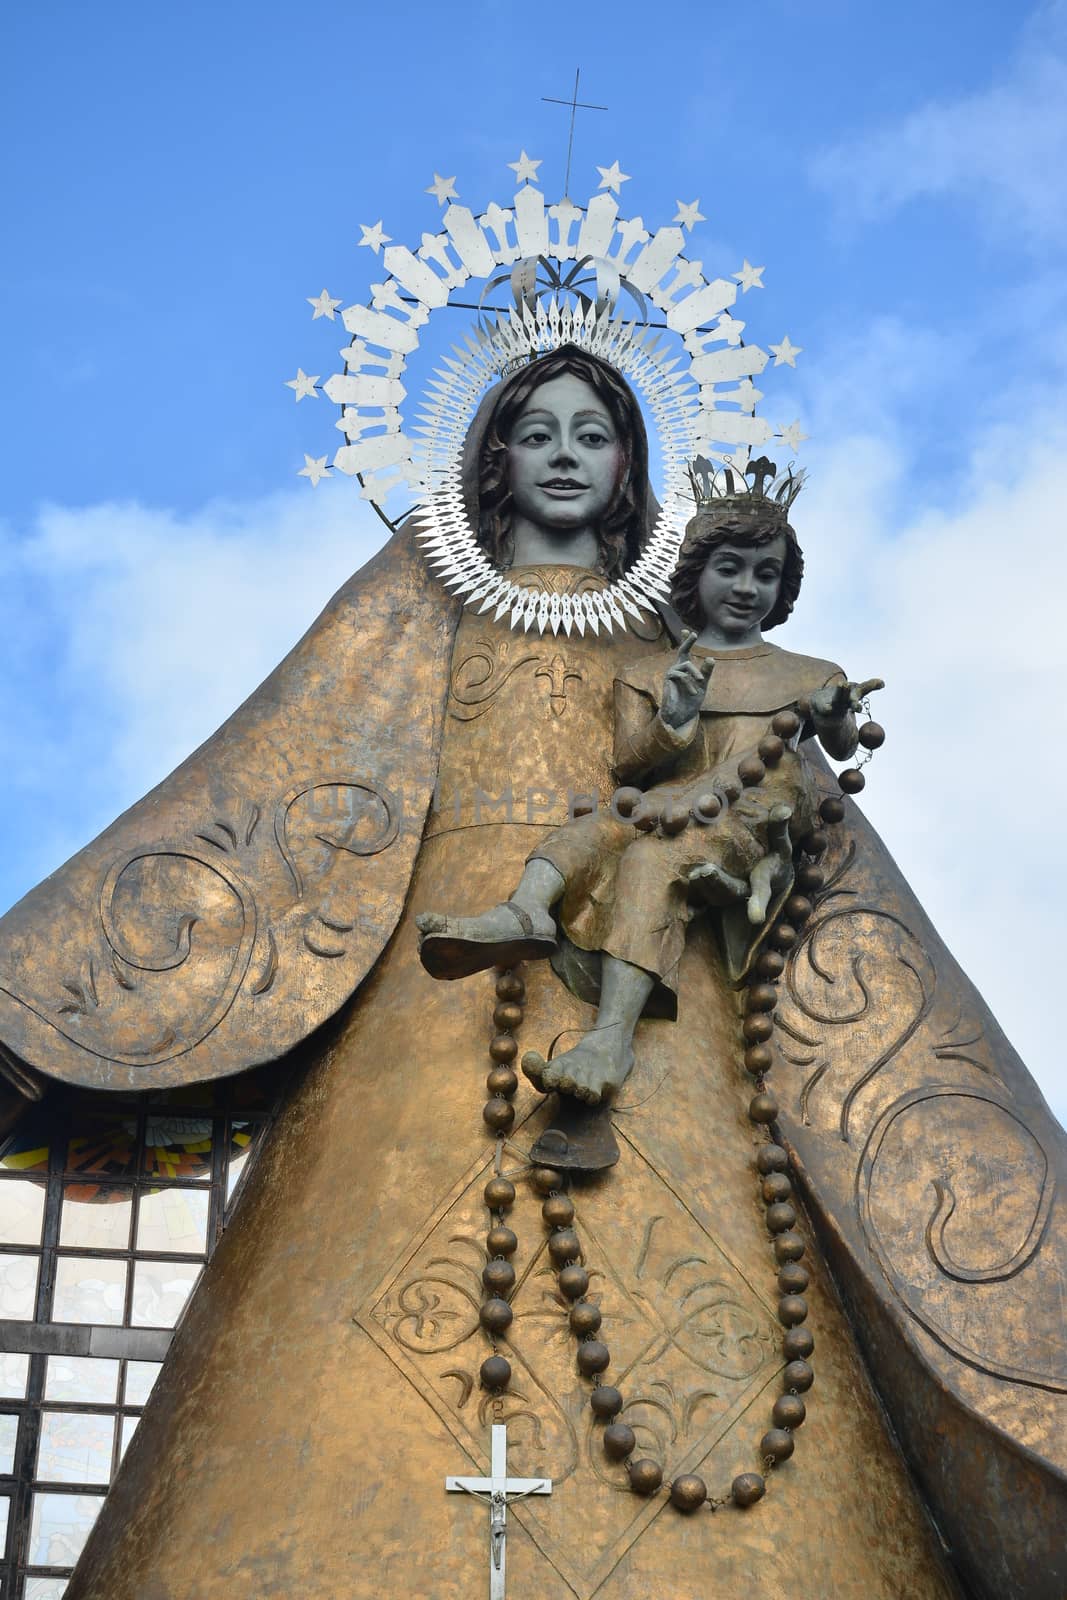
x=1003, y=149
x=133, y=633
x=961, y=610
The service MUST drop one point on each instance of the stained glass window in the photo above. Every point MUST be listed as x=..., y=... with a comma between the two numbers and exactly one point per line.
x=109, y=1210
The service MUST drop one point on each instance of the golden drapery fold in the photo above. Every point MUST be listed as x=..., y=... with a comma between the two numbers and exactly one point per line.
x=232, y=910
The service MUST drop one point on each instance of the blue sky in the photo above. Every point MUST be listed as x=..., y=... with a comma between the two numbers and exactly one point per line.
x=178, y=180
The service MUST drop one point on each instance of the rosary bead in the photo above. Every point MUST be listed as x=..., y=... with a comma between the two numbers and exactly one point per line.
x=503, y=1048
x=798, y=1375
x=545, y=1179
x=731, y=790
x=763, y=1107
x=573, y=1282
x=771, y=749
x=757, y=1028
x=786, y=724
x=501, y=1242
x=593, y=1357
x=771, y=1158
x=688, y=1492
x=776, y=1186
x=706, y=807
x=788, y=1411
x=793, y=1278
x=778, y=1443
x=498, y=1275
x=747, y=1488
x=759, y=1058
x=499, y=1194
x=798, y=1344
x=771, y=964
x=619, y=1441
x=851, y=781
x=495, y=1372
x=675, y=819
x=509, y=986
x=803, y=704
x=810, y=879
x=789, y=1247
x=498, y=1113
x=781, y=1216
x=564, y=1246
x=817, y=843
x=605, y=1401
x=750, y=770
x=507, y=1016
x=625, y=801
x=783, y=935
x=832, y=810
x=585, y=1318
x=647, y=818
x=798, y=908
x=502, y=1080
x=645, y=1476
x=872, y=736
x=496, y=1315
x=792, y=1309
x=761, y=997
x=558, y=1210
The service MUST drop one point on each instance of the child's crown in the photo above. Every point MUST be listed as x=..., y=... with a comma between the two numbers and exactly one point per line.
x=725, y=490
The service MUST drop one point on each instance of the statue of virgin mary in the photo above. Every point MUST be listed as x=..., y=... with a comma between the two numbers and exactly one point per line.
x=452, y=706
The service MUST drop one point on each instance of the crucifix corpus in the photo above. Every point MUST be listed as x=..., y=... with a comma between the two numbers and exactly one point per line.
x=497, y=1491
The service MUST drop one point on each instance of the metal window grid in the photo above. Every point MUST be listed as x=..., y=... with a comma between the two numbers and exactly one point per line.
x=64, y=1116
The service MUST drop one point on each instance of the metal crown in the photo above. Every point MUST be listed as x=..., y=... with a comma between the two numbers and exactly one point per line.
x=723, y=490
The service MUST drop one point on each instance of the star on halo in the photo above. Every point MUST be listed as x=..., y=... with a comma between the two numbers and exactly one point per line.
x=324, y=305
x=689, y=215
x=442, y=189
x=525, y=169
x=375, y=237
x=314, y=469
x=612, y=178
x=785, y=354
x=793, y=436
x=750, y=277
x=302, y=386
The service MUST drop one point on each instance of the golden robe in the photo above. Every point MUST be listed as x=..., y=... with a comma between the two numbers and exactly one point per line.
x=324, y=1380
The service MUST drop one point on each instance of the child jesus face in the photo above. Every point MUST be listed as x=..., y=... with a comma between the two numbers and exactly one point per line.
x=737, y=589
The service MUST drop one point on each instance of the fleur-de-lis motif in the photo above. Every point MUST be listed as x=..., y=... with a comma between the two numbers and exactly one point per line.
x=559, y=675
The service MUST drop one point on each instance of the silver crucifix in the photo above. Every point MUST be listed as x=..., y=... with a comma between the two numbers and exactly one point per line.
x=497, y=1490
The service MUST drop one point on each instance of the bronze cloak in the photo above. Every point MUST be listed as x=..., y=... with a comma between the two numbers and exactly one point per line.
x=235, y=908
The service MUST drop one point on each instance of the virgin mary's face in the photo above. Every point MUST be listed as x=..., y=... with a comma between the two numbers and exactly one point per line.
x=564, y=456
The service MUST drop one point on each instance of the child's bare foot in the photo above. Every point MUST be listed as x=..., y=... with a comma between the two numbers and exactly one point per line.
x=454, y=947
x=593, y=1071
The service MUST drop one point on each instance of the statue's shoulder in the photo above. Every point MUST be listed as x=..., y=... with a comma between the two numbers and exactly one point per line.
x=808, y=672
x=761, y=678
x=645, y=673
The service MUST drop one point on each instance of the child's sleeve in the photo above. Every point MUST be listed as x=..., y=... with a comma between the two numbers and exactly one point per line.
x=643, y=741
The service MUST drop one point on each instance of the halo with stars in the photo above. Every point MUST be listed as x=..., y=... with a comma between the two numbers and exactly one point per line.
x=691, y=365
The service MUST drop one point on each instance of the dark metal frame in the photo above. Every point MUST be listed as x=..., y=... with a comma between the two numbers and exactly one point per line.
x=62, y=1118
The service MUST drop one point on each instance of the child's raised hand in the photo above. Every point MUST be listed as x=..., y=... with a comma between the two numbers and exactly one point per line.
x=685, y=684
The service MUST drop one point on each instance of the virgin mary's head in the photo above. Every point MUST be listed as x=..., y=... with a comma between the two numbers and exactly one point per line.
x=589, y=472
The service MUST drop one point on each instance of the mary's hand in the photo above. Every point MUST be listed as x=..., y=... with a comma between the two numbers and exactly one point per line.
x=685, y=685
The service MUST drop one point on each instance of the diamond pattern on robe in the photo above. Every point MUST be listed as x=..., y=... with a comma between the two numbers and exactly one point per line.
x=692, y=1345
